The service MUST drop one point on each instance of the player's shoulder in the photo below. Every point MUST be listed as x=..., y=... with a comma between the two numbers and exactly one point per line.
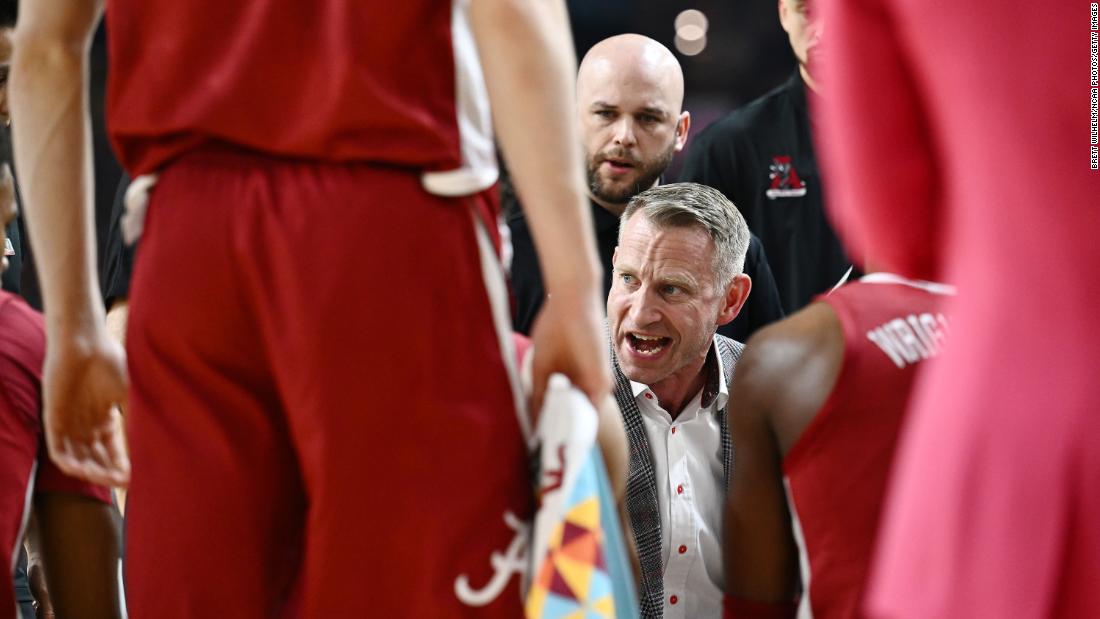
x=791, y=351
x=22, y=329
x=22, y=351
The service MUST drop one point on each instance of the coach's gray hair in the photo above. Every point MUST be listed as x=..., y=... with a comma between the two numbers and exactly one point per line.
x=690, y=204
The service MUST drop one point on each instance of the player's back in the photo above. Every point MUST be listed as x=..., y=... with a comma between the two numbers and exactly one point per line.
x=380, y=82
x=837, y=469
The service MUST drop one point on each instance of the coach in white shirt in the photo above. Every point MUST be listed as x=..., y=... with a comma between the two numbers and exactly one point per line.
x=677, y=277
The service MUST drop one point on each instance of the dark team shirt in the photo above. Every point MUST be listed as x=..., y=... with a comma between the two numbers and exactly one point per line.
x=13, y=251
x=118, y=259
x=13, y=247
x=762, y=158
x=762, y=307
x=21, y=277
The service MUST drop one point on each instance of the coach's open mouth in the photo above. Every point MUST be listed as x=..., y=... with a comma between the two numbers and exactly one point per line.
x=647, y=345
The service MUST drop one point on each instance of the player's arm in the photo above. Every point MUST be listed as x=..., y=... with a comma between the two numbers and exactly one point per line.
x=884, y=188
x=782, y=381
x=36, y=570
x=527, y=55
x=759, y=553
x=77, y=540
x=84, y=376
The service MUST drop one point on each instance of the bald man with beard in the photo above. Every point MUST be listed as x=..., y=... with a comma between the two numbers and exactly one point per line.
x=630, y=93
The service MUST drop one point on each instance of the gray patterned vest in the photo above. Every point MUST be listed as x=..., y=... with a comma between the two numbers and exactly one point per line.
x=641, y=484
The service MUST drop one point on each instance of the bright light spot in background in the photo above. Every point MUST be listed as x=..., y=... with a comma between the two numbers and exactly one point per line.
x=691, y=32
x=691, y=17
x=690, y=47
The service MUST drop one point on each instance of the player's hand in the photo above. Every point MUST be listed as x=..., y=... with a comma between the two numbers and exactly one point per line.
x=85, y=383
x=569, y=337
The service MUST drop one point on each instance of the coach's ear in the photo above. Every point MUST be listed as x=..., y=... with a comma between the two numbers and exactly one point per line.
x=736, y=294
x=683, y=125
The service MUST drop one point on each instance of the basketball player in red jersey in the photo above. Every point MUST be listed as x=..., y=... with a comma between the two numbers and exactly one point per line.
x=76, y=533
x=818, y=403
x=318, y=322
x=956, y=153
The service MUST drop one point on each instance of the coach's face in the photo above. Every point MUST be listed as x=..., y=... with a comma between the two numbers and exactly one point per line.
x=631, y=123
x=664, y=305
x=803, y=28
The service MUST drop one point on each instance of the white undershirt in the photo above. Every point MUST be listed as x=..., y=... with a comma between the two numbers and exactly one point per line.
x=687, y=454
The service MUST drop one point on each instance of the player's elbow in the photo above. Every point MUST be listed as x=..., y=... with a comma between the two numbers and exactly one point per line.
x=40, y=51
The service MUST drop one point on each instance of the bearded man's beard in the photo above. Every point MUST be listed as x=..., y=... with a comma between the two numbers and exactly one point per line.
x=647, y=175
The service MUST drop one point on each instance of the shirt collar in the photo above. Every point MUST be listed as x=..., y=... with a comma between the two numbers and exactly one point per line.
x=715, y=390
x=798, y=90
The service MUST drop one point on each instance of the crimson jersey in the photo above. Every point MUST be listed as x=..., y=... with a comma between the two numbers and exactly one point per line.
x=22, y=351
x=837, y=470
x=393, y=83
x=24, y=465
x=957, y=153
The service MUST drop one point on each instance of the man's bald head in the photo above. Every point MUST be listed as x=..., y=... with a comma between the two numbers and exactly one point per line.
x=630, y=94
x=636, y=58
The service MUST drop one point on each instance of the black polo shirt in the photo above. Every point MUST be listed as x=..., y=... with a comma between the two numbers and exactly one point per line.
x=762, y=158
x=118, y=259
x=13, y=250
x=762, y=307
x=21, y=277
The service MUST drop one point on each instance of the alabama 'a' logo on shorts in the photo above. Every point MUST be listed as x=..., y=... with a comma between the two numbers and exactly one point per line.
x=513, y=561
x=784, y=180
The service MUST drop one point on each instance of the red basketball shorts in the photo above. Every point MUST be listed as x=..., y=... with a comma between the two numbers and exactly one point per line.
x=322, y=423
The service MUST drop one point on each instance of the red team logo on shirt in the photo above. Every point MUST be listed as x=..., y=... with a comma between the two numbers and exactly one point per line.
x=784, y=179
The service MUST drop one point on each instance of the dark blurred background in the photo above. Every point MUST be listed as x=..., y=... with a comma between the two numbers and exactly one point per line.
x=731, y=52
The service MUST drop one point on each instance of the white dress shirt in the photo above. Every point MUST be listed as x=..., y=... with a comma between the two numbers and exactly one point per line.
x=687, y=462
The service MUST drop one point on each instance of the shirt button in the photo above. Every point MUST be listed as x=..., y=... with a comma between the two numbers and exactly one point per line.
x=648, y=396
x=672, y=600
x=674, y=429
x=682, y=549
x=680, y=489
